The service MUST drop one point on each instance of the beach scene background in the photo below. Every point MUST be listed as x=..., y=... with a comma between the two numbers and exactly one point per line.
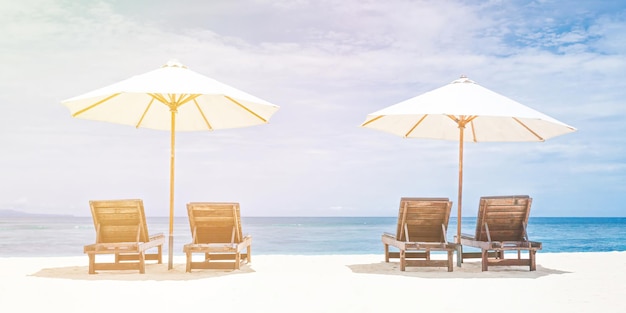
x=316, y=190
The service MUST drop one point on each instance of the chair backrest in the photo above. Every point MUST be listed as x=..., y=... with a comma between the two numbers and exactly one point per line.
x=215, y=222
x=119, y=221
x=506, y=217
x=423, y=218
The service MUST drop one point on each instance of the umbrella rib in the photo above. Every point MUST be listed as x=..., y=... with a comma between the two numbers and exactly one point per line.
x=463, y=119
x=182, y=101
x=473, y=131
x=174, y=103
x=203, y=115
x=182, y=98
x=372, y=120
x=462, y=122
x=245, y=108
x=415, y=126
x=160, y=98
x=95, y=104
x=454, y=118
x=144, y=113
x=528, y=129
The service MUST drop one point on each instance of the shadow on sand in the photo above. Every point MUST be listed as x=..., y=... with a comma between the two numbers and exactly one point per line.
x=468, y=270
x=154, y=272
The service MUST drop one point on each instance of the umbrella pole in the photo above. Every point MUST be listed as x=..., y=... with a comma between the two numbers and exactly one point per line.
x=459, y=252
x=460, y=199
x=170, y=249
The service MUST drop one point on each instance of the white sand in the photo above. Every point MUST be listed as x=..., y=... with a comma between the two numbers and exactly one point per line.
x=563, y=282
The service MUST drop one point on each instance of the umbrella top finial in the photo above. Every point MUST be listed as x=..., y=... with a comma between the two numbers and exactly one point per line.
x=174, y=63
x=463, y=79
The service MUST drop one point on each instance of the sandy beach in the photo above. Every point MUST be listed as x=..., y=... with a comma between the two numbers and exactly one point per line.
x=563, y=282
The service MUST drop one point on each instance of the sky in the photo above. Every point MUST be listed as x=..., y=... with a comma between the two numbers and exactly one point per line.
x=327, y=64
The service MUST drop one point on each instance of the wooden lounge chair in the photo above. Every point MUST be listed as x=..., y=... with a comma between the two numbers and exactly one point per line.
x=121, y=230
x=216, y=233
x=501, y=226
x=422, y=226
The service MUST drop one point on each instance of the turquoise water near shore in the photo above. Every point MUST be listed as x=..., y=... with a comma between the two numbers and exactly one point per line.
x=66, y=236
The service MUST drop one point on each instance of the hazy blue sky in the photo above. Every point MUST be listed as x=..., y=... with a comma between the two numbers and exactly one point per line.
x=327, y=64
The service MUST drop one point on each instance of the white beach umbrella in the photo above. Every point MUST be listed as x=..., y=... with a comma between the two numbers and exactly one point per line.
x=172, y=98
x=465, y=111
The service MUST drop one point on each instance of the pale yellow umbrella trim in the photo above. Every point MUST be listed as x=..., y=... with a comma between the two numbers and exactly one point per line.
x=208, y=125
x=528, y=129
x=95, y=105
x=245, y=108
x=415, y=126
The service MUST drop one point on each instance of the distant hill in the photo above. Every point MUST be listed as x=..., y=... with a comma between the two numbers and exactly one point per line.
x=14, y=213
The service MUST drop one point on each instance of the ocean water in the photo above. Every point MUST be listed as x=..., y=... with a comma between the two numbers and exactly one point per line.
x=66, y=236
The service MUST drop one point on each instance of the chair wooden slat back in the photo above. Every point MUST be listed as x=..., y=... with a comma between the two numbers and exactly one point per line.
x=505, y=216
x=215, y=222
x=119, y=221
x=423, y=218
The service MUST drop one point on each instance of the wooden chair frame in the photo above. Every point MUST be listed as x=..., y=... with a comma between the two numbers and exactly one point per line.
x=501, y=226
x=417, y=251
x=121, y=230
x=221, y=254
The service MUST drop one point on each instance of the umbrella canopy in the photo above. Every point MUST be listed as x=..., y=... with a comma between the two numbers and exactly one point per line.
x=172, y=98
x=465, y=111
x=148, y=100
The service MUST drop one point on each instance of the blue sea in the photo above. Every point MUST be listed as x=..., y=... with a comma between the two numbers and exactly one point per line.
x=66, y=236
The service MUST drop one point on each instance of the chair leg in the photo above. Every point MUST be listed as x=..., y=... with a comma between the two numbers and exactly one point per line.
x=386, y=253
x=92, y=263
x=450, y=263
x=249, y=254
x=485, y=261
x=188, y=267
x=402, y=260
x=532, y=257
x=142, y=263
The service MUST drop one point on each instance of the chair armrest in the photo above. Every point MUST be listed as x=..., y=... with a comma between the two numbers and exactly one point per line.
x=467, y=236
x=246, y=241
x=389, y=235
x=156, y=236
